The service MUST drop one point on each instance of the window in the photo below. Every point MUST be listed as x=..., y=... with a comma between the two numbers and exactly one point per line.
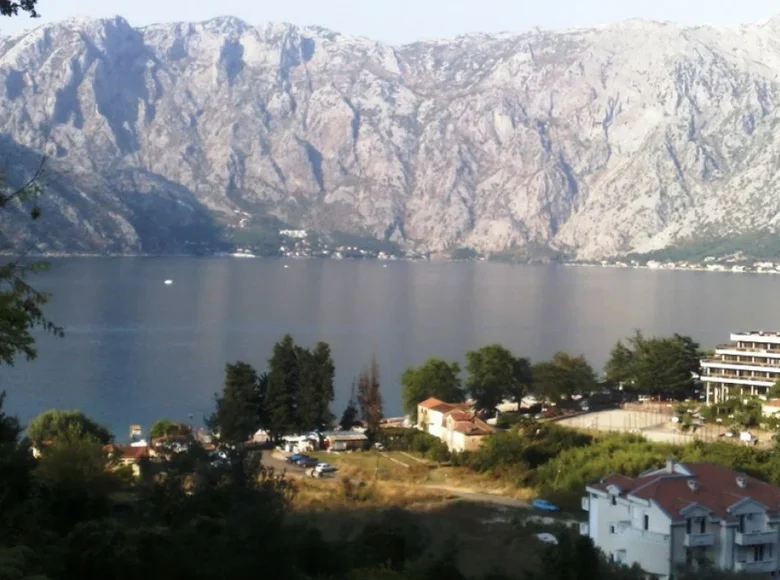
x=647, y=522
x=613, y=500
x=688, y=525
x=769, y=551
x=758, y=553
x=742, y=524
x=612, y=529
x=703, y=525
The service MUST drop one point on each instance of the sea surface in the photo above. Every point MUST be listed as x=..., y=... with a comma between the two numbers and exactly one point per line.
x=136, y=350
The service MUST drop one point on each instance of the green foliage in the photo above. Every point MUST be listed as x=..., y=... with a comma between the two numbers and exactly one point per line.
x=54, y=425
x=366, y=242
x=316, y=387
x=414, y=440
x=516, y=454
x=656, y=366
x=21, y=305
x=496, y=374
x=464, y=254
x=166, y=428
x=758, y=245
x=13, y=7
x=239, y=412
x=562, y=377
x=434, y=378
x=300, y=388
x=576, y=558
x=350, y=417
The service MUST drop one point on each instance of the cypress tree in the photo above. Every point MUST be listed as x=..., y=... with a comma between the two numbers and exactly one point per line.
x=282, y=396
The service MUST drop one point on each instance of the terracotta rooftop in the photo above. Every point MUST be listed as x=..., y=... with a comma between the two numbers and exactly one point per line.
x=433, y=404
x=717, y=490
x=127, y=452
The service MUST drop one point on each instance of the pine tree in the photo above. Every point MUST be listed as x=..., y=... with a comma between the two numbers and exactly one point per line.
x=282, y=397
x=308, y=404
x=324, y=393
x=240, y=407
x=370, y=396
x=350, y=416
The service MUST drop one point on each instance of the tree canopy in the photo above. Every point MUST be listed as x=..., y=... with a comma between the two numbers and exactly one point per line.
x=54, y=425
x=14, y=7
x=434, y=378
x=656, y=366
x=167, y=428
x=495, y=374
x=562, y=377
x=239, y=412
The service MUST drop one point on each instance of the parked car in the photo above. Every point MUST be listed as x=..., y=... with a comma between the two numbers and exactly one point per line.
x=307, y=462
x=296, y=457
x=543, y=504
x=325, y=468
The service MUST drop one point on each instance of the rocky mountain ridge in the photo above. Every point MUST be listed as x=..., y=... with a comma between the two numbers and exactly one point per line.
x=593, y=142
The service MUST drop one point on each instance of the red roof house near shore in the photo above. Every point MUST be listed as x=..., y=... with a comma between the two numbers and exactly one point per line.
x=672, y=516
x=454, y=423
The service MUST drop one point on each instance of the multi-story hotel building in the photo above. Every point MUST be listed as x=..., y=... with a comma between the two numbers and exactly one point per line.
x=750, y=364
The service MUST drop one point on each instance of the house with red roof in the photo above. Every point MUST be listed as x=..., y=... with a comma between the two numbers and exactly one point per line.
x=454, y=423
x=684, y=513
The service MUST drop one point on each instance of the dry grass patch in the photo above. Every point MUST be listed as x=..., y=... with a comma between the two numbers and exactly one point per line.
x=330, y=495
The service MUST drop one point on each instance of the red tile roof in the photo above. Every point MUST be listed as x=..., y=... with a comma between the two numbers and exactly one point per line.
x=127, y=452
x=717, y=489
x=430, y=403
x=434, y=404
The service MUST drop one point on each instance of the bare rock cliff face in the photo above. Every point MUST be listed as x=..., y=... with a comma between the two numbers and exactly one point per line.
x=595, y=142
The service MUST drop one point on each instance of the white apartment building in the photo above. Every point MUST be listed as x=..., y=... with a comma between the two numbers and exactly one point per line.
x=749, y=365
x=684, y=512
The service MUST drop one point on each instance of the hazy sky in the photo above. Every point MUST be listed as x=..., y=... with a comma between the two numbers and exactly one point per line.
x=406, y=20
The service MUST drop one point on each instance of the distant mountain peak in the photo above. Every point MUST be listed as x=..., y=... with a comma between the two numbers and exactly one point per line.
x=594, y=142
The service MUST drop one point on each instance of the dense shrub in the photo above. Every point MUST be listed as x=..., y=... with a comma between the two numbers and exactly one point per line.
x=416, y=441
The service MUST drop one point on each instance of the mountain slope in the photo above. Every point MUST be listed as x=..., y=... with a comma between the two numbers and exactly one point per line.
x=594, y=142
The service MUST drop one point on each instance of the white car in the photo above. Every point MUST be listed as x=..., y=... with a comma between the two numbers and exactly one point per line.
x=325, y=468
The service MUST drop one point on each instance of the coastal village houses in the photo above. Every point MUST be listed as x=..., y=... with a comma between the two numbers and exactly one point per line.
x=684, y=513
x=454, y=423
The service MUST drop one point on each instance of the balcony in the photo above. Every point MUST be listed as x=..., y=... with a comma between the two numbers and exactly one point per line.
x=732, y=380
x=755, y=538
x=699, y=540
x=585, y=503
x=762, y=567
x=637, y=535
x=721, y=363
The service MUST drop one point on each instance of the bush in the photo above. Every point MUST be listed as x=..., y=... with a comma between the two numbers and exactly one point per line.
x=416, y=441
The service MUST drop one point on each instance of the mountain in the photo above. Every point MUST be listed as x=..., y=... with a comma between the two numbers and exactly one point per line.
x=592, y=142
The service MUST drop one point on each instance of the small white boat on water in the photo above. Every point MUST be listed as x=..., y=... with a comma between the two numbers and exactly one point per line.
x=168, y=282
x=243, y=255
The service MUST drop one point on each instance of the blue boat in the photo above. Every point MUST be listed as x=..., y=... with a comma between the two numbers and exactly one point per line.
x=543, y=504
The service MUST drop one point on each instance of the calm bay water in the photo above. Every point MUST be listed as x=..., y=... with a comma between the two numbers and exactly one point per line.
x=136, y=350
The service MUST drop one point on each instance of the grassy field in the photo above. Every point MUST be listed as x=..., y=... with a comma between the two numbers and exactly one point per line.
x=413, y=470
